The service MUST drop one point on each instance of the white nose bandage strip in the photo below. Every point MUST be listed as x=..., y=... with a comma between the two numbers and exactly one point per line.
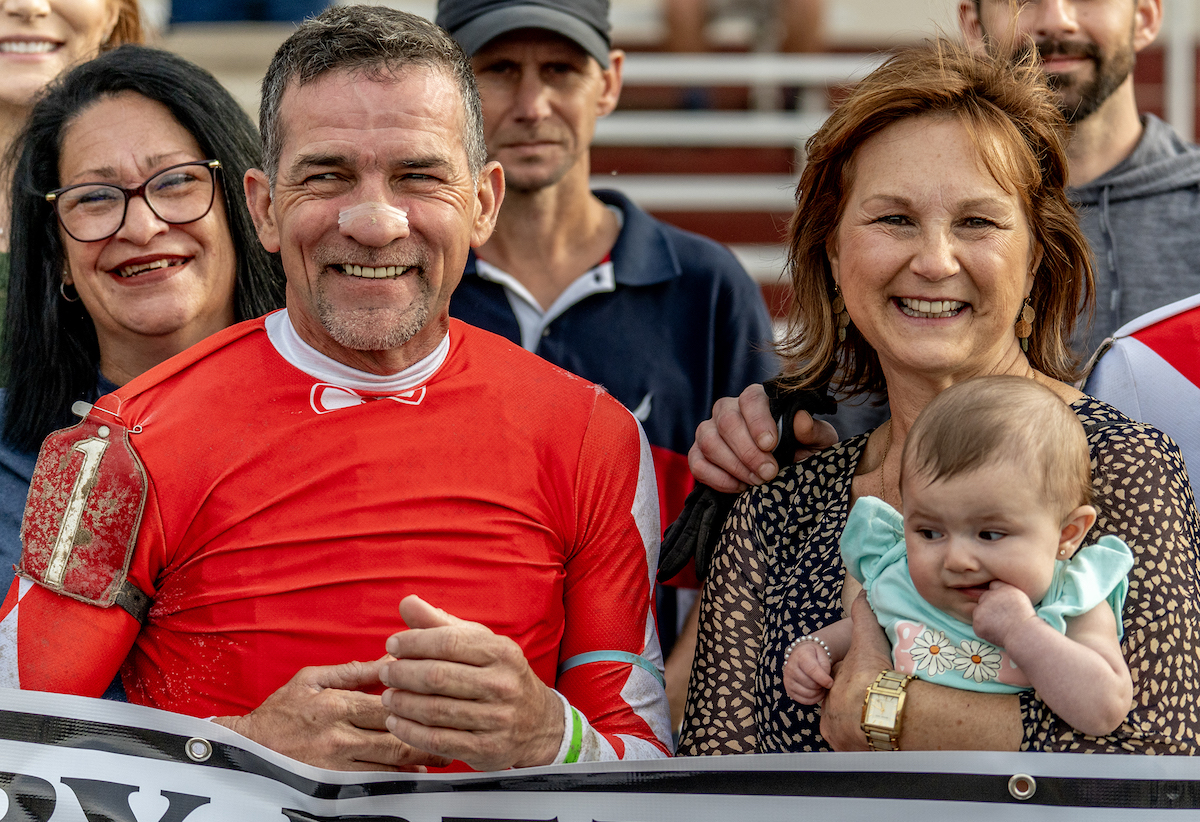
x=366, y=215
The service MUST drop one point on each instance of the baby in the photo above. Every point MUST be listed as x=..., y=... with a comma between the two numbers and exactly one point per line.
x=982, y=584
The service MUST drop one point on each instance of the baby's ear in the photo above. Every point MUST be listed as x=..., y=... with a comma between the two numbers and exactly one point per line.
x=1074, y=528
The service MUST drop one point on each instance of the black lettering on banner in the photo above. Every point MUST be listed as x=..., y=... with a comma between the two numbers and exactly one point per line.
x=301, y=816
x=109, y=801
x=30, y=798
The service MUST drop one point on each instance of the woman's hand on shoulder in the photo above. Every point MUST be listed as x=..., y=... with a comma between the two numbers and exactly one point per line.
x=733, y=448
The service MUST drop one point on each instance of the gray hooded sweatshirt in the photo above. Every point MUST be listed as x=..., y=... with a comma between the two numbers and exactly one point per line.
x=1142, y=219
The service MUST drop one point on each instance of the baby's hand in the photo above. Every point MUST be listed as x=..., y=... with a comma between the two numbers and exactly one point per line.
x=806, y=675
x=1001, y=609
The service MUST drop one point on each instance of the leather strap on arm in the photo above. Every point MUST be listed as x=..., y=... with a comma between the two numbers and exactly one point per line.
x=696, y=531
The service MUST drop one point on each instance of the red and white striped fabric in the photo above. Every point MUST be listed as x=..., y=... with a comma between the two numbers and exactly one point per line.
x=1150, y=371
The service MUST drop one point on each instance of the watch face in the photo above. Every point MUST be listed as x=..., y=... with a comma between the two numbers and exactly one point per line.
x=881, y=711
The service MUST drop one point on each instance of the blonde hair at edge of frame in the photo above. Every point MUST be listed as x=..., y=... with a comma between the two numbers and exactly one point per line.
x=128, y=28
x=987, y=419
x=1013, y=118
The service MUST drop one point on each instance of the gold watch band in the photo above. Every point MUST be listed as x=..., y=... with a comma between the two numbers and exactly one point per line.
x=883, y=710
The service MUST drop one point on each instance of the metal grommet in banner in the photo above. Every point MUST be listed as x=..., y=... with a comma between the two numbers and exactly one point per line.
x=198, y=750
x=1022, y=786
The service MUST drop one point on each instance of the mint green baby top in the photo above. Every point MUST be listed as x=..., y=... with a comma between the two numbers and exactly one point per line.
x=933, y=645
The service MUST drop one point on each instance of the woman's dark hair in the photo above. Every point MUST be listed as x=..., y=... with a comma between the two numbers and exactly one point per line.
x=50, y=349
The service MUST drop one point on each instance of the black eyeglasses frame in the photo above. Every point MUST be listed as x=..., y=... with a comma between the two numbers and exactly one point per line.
x=213, y=166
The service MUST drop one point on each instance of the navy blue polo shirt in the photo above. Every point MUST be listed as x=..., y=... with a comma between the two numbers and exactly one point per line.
x=680, y=325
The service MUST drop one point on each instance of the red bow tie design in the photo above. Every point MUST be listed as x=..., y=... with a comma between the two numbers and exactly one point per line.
x=325, y=397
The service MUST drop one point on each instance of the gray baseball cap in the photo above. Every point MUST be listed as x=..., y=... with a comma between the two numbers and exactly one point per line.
x=475, y=23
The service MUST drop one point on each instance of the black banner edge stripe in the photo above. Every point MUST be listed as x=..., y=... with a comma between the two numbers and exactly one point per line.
x=163, y=746
x=1133, y=794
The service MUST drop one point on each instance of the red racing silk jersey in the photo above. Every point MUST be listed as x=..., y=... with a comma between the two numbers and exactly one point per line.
x=288, y=510
x=1149, y=370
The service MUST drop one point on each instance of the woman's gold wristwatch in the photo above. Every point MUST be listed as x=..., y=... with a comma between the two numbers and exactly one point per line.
x=883, y=710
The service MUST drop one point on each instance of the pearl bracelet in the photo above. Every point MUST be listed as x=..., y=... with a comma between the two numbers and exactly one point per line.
x=806, y=638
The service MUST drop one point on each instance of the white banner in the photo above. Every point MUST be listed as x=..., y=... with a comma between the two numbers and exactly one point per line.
x=70, y=759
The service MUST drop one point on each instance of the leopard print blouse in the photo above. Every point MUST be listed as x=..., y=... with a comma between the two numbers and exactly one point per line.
x=777, y=575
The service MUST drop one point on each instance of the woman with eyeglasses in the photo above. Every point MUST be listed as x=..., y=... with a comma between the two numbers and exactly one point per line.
x=130, y=242
x=39, y=39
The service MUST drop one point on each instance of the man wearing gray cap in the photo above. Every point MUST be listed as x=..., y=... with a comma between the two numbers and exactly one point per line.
x=667, y=321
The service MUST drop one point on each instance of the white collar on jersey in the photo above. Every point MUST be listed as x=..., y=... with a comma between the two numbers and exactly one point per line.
x=325, y=369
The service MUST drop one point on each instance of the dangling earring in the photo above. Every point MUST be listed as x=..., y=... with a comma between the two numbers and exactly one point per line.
x=841, y=318
x=62, y=290
x=1025, y=324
